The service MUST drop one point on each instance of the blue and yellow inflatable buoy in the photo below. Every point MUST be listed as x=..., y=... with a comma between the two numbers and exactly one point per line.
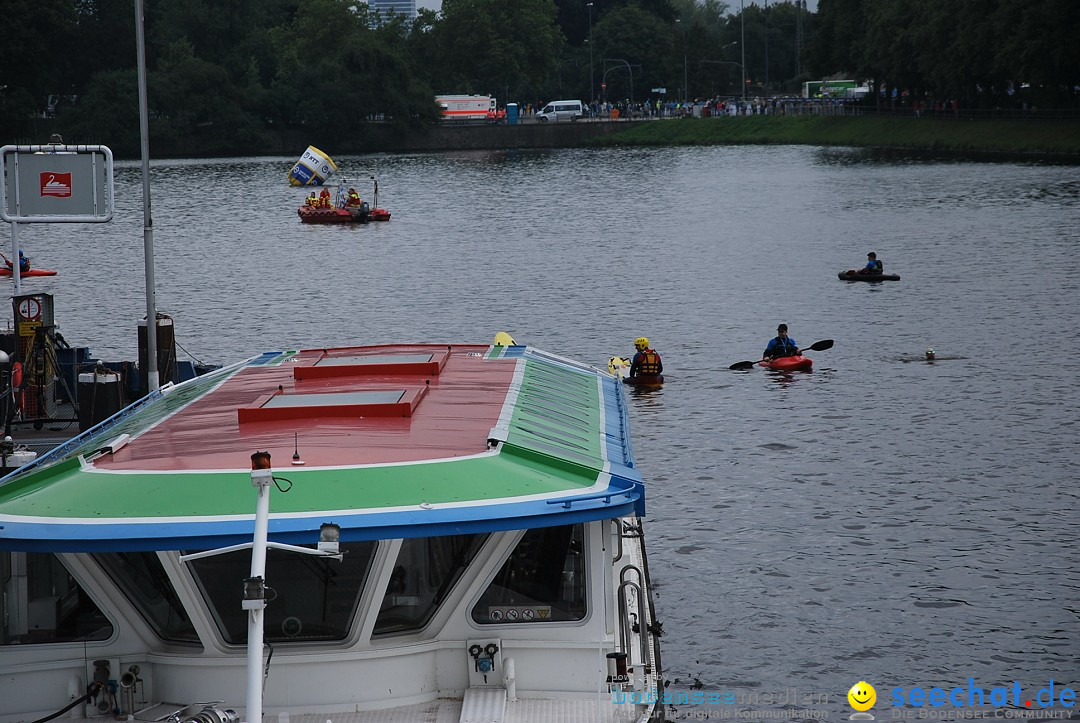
x=313, y=168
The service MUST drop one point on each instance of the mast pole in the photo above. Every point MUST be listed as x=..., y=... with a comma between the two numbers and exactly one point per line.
x=152, y=381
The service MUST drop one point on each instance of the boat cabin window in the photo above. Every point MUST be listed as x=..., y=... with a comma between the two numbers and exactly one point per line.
x=424, y=573
x=42, y=603
x=543, y=580
x=308, y=598
x=142, y=578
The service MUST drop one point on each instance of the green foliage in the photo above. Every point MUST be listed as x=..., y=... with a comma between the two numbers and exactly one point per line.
x=33, y=55
x=497, y=47
x=646, y=44
x=225, y=77
x=198, y=105
x=983, y=53
x=108, y=113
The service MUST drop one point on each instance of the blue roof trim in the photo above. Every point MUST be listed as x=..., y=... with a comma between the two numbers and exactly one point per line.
x=513, y=352
x=624, y=497
x=616, y=425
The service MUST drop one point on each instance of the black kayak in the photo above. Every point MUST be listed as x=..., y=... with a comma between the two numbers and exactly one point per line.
x=856, y=276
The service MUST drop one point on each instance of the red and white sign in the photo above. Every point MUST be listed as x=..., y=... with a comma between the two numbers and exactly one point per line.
x=29, y=309
x=57, y=185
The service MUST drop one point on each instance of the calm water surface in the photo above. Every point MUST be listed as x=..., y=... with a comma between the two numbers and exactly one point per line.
x=903, y=523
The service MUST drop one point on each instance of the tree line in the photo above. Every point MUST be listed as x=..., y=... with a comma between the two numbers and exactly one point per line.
x=1008, y=54
x=224, y=77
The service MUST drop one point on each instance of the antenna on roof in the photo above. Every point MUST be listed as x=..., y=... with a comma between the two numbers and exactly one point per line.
x=296, y=450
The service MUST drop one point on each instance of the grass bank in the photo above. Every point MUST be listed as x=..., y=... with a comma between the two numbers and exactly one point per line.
x=1043, y=137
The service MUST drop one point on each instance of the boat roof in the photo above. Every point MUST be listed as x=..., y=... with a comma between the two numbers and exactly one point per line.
x=408, y=440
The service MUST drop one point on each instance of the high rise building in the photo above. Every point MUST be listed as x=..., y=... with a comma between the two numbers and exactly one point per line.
x=401, y=7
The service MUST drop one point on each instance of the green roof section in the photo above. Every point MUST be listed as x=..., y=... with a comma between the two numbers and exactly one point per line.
x=558, y=413
x=65, y=491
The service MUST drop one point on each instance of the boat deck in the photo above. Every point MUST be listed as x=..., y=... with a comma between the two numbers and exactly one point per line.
x=448, y=710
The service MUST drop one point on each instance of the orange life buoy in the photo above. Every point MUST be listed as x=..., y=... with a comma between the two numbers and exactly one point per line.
x=16, y=375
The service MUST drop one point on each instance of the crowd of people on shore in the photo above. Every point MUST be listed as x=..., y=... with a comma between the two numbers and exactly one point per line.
x=714, y=107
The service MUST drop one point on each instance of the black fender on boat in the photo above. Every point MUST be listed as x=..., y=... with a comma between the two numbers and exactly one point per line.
x=855, y=276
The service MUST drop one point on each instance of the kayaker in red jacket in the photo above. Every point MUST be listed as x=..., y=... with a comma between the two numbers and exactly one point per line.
x=646, y=362
x=781, y=345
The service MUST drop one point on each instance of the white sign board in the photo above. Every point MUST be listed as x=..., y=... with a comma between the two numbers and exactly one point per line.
x=57, y=184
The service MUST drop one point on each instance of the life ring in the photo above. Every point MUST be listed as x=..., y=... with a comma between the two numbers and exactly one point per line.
x=16, y=375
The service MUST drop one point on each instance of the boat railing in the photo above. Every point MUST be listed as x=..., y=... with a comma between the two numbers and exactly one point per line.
x=626, y=624
x=606, y=496
x=618, y=540
x=632, y=568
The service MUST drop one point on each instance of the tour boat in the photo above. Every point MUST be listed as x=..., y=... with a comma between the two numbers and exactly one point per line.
x=407, y=532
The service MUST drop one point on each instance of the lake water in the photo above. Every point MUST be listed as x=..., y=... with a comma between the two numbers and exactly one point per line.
x=900, y=522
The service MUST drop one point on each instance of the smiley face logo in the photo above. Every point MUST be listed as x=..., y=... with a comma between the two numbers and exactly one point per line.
x=862, y=696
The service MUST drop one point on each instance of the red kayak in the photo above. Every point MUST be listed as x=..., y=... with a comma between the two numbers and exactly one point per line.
x=5, y=271
x=788, y=363
x=645, y=380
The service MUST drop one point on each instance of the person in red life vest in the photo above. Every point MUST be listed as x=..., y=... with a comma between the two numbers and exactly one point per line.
x=646, y=362
x=324, y=198
x=311, y=201
x=353, y=198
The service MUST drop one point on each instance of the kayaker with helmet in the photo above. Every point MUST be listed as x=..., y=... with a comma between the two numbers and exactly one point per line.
x=646, y=362
x=781, y=345
x=24, y=262
x=873, y=266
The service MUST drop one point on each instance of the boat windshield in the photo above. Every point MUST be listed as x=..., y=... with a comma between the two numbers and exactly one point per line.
x=424, y=573
x=543, y=580
x=147, y=586
x=40, y=602
x=309, y=598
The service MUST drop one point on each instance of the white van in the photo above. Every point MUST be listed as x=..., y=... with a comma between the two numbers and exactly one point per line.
x=559, y=110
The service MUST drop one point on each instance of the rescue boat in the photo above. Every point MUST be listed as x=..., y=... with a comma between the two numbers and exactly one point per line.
x=335, y=214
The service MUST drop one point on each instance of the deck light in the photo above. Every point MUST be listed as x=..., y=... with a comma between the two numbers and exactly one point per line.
x=254, y=594
x=329, y=537
x=260, y=460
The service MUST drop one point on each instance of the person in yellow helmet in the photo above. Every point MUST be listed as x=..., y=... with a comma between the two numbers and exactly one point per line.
x=646, y=362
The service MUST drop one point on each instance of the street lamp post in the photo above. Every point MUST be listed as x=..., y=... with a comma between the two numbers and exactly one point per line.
x=723, y=62
x=628, y=68
x=592, y=76
x=742, y=45
x=685, y=90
